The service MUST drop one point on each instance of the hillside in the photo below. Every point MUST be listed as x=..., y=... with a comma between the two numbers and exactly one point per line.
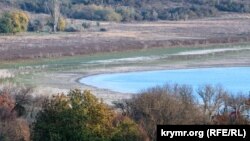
x=130, y=10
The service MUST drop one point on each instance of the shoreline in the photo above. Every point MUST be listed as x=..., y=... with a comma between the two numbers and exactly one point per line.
x=62, y=82
x=80, y=76
x=54, y=82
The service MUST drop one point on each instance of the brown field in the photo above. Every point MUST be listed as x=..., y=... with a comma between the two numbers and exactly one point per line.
x=127, y=36
x=62, y=75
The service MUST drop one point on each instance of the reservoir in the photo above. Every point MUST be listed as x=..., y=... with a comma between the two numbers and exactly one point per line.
x=233, y=79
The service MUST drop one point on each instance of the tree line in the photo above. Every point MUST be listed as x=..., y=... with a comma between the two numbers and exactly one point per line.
x=136, y=10
x=80, y=116
x=109, y=10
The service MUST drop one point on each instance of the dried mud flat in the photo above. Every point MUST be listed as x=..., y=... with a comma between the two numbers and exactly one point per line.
x=128, y=36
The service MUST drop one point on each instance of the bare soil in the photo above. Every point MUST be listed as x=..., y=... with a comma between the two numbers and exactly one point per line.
x=128, y=36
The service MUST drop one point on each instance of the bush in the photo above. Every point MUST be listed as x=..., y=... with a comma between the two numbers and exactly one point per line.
x=185, y=13
x=149, y=14
x=6, y=25
x=93, y=12
x=20, y=21
x=128, y=14
x=14, y=22
x=37, y=6
x=61, y=25
x=103, y=30
x=72, y=29
x=35, y=25
x=13, y=126
x=232, y=7
x=86, y=25
x=111, y=15
x=127, y=130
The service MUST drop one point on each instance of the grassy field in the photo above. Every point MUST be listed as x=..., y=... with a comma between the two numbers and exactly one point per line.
x=155, y=57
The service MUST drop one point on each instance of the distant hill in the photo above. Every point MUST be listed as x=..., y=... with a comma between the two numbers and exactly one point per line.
x=130, y=10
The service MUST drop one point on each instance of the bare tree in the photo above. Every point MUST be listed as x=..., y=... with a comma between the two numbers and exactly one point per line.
x=211, y=99
x=11, y=127
x=54, y=9
x=162, y=105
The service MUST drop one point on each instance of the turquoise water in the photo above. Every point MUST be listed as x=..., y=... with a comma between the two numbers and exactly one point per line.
x=233, y=79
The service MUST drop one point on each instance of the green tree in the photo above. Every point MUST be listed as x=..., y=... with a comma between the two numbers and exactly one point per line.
x=14, y=22
x=78, y=117
x=6, y=24
x=128, y=130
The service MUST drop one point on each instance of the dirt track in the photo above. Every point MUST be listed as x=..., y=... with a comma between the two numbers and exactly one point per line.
x=120, y=37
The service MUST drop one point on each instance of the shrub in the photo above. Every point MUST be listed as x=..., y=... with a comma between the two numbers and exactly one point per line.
x=72, y=29
x=127, y=130
x=13, y=127
x=185, y=13
x=98, y=24
x=107, y=14
x=93, y=12
x=232, y=6
x=86, y=25
x=103, y=30
x=37, y=6
x=6, y=25
x=149, y=14
x=112, y=16
x=20, y=21
x=127, y=13
x=61, y=25
x=35, y=25
x=14, y=22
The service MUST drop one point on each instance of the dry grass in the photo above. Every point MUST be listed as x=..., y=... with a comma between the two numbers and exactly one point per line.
x=127, y=36
x=121, y=37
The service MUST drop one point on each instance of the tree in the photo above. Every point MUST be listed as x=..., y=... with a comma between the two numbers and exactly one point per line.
x=55, y=14
x=127, y=13
x=20, y=21
x=61, y=24
x=54, y=9
x=162, y=105
x=212, y=98
x=127, y=130
x=79, y=116
x=35, y=25
x=235, y=110
x=12, y=127
x=14, y=22
x=6, y=24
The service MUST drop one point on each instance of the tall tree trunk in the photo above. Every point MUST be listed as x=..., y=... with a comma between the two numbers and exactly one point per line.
x=55, y=14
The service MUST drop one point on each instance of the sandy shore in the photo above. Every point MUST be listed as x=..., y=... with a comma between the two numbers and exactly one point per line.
x=63, y=82
x=51, y=83
x=130, y=36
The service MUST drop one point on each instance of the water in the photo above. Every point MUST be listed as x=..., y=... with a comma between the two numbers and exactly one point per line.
x=233, y=79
